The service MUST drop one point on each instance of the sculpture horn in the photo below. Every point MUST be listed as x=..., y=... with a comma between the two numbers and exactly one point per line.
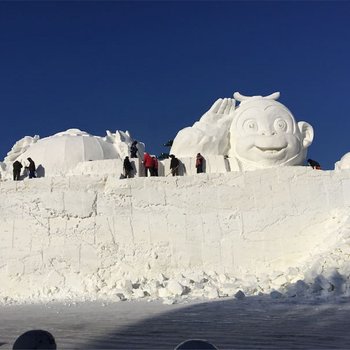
x=239, y=97
x=273, y=96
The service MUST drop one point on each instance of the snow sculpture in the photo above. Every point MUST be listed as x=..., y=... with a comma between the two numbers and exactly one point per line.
x=63, y=151
x=60, y=153
x=208, y=136
x=20, y=147
x=259, y=133
x=264, y=134
x=343, y=163
x=122, y=142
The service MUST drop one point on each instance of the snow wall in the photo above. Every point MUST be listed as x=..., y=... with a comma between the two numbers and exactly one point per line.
x=91, y=237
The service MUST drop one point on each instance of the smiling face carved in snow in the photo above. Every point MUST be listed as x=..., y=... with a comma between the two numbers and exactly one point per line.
x=264, y=134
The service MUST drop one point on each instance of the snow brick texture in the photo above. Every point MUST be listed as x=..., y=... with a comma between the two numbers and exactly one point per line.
x=177, y=238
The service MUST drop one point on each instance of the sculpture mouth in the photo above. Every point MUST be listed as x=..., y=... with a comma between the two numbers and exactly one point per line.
x=271, y=150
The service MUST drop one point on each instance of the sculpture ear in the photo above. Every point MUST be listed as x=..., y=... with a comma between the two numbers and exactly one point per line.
x=307, y=133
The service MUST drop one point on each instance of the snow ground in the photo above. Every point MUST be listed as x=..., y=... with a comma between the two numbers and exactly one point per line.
x=251, y=323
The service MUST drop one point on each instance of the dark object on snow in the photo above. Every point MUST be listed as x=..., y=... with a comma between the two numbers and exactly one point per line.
x=17, y=166
x=195, y=344
x=128, y=169
x=133, y=150
x=174, y=165
x=31, y=168
x=35, y=339
x=314, y=164
x=199, y=163
x=155, y=166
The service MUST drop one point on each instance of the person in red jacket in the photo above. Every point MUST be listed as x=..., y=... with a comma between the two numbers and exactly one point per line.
x=148, y=164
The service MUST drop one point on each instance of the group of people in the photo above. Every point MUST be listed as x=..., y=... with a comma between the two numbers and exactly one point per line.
x=17, y=168
x=175, y=164
x=150, y=163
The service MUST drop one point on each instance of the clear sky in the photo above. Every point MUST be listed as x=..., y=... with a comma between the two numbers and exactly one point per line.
x=154, y=68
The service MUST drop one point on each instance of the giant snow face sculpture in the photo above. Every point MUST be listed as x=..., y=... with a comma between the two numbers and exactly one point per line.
x=264, y=133
x=259, y=133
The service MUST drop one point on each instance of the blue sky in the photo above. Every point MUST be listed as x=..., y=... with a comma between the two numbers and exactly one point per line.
x=154, y=68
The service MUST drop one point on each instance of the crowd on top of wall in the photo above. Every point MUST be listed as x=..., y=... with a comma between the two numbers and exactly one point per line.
x=150, y=165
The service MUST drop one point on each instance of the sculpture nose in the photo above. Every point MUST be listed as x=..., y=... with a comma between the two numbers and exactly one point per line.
x=268, y=133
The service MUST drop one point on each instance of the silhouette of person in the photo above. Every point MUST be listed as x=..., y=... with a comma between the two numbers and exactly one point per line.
x=174, y=165
x=128, y=169
x=133, y=150
x=17, y=166
x=155, y=166
x=31, y=168
x=199, y=163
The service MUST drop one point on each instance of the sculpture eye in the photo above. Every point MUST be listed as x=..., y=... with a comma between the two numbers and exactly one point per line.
x=280, y=125
x=250, y=126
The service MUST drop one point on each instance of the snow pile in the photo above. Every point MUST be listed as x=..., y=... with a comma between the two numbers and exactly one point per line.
x=283, y=231
x=343, y=163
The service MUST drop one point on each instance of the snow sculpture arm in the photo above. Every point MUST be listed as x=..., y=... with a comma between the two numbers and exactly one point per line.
x=209, y=135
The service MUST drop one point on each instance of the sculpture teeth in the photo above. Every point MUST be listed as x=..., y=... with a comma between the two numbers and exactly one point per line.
x=270, y=150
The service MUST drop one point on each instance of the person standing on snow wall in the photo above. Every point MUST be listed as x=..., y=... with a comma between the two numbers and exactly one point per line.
x=17, y=166
x=148, y=164
x=155, y=166
x=133, y=150
x=174, y=165
x=128, y=169
x=31, y=168
x=199, y=163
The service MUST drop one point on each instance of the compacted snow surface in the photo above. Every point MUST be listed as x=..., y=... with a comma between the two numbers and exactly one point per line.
x=252, y=260
x=250, y=323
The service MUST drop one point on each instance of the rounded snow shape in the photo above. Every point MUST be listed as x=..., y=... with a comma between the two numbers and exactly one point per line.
x=195, y=344
x=343, y=163
x=35, y=339
x=61, y=152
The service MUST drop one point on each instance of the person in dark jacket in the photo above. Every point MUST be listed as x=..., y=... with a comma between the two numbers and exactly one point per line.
x=155, y=166
x=199, y=163
x=128, y=169
x=17, y=166
x=133, y=150
x=174, y=165
x=314, y=164
x=31, y=168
